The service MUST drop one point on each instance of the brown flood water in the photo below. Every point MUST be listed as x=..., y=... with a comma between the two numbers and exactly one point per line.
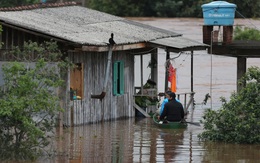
x=137, y=140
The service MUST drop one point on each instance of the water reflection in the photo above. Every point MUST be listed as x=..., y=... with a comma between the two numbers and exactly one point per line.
x=152, y=144
x=220, y=152
x=170, y=145
x=140, y=141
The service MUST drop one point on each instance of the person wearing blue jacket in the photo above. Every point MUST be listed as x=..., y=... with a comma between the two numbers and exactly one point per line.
x=173, y=111
x=166, y=100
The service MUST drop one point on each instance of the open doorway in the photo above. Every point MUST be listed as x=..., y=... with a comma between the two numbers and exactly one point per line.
x=76, y=82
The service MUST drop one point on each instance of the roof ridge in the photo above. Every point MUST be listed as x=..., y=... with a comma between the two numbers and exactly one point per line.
x=39, y=5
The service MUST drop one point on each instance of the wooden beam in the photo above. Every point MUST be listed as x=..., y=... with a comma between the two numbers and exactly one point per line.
x=141, y=110
x=236, y=51
x=115, y=48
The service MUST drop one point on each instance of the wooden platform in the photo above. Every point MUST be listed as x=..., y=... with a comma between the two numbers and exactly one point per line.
x=247, y=49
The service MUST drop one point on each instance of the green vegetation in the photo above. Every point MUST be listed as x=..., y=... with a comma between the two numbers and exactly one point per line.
x=248, y=8
x=30, y=100
x=8, y=3
x=238, y=121
x=148, y=8
x=153, y=8
x=169, y=8
x=144, y=101
x=246, y=34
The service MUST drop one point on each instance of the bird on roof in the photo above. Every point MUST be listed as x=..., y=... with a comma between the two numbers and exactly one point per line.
x=111, y=40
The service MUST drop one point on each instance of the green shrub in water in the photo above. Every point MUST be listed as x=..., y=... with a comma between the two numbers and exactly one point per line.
x=237, y=121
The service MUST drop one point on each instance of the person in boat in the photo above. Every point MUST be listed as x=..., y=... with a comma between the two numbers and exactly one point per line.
x=165, y=101
x=173, y=110
x=160, y=110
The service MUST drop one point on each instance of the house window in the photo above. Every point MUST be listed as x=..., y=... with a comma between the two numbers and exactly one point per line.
x=76, y=82
x=118, y=78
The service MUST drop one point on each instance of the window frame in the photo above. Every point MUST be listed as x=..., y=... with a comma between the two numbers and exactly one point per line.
x=118, y=78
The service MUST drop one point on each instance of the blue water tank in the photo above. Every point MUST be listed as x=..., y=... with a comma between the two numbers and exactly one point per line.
x=219, y=13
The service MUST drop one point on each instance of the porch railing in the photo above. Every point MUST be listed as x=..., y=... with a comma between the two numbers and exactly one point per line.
x=187, y=98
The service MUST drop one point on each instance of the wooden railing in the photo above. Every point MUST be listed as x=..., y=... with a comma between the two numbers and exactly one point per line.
x=186, y=101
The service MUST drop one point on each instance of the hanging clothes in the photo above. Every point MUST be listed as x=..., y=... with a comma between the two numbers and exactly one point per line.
x=172, y=78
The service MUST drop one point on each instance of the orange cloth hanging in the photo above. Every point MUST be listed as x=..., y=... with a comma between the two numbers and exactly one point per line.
x=172, y=77
x=170, y=72
x=173, y=82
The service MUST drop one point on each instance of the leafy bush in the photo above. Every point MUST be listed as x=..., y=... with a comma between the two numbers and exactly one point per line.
x=238, y=121
x=29, y=100
x=246, y=34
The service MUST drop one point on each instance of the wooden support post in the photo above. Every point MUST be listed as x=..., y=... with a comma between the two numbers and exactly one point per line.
x=166, y=71
x=207, y=34
x=191, y=76
x=154, y=67
x=227, y=34
x=241, y=70
x=142, y=72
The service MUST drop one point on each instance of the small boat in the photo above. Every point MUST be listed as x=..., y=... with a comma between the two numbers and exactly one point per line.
x=168, y=125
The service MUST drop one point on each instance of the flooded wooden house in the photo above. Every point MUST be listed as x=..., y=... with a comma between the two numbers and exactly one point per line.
x=101, y=86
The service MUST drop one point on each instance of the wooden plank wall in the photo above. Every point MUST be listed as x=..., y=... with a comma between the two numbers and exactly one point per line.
x=89, y=110
x=12, y=37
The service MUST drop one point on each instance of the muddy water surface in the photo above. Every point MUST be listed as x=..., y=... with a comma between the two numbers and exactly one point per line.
x=138, y=140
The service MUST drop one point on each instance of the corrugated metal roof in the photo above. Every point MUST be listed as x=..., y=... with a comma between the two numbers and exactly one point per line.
x=82, y=25
x=90, y=27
